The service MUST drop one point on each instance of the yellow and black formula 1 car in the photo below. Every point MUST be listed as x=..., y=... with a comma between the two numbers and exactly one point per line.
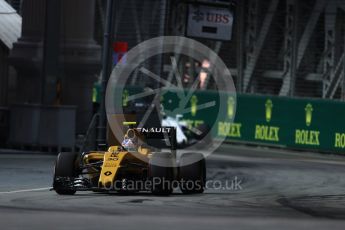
x=132, y=167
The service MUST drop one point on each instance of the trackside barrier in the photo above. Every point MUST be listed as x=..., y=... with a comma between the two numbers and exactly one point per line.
x=311, y=124
x=42, y=126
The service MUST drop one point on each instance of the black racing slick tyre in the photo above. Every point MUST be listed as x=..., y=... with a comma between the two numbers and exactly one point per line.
x=64, y=172
x=161, y=173
x=192, y=173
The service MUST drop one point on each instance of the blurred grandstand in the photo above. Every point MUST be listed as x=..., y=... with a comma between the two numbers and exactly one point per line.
x=279, y=47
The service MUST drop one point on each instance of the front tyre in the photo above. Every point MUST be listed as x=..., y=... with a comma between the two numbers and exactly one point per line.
x=64, y=173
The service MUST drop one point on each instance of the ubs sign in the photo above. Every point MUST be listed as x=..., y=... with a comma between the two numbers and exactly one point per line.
x=210, y=22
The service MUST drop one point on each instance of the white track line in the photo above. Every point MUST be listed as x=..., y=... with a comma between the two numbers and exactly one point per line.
x=27, y=190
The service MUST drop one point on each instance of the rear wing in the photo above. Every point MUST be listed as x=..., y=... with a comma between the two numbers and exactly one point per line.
x=158, y=137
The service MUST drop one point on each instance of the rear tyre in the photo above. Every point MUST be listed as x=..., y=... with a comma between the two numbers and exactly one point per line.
x=192, y=173
x=65, y=171
x=161, y=173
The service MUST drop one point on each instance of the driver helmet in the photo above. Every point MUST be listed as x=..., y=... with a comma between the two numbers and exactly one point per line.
x=130, y=141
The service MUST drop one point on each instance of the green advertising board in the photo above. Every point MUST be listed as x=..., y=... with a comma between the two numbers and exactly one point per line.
x=293, y=123
x=313, y=124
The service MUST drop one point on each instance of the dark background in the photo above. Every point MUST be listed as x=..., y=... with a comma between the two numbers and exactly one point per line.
x=50, y=54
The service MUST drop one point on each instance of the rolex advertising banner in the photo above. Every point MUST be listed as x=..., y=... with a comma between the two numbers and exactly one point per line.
x=313, y=124
x=280, y=121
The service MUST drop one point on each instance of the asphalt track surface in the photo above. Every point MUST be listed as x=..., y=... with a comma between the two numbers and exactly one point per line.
x=272, y=189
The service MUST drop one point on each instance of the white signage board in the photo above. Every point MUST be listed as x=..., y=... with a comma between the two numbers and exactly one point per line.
x=209, y=22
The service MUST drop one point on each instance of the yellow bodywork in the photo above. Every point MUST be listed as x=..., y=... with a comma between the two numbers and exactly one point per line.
x=111, y=164
x=112, y=160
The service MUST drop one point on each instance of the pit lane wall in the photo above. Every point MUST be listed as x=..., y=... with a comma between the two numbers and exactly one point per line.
x=311, y=124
